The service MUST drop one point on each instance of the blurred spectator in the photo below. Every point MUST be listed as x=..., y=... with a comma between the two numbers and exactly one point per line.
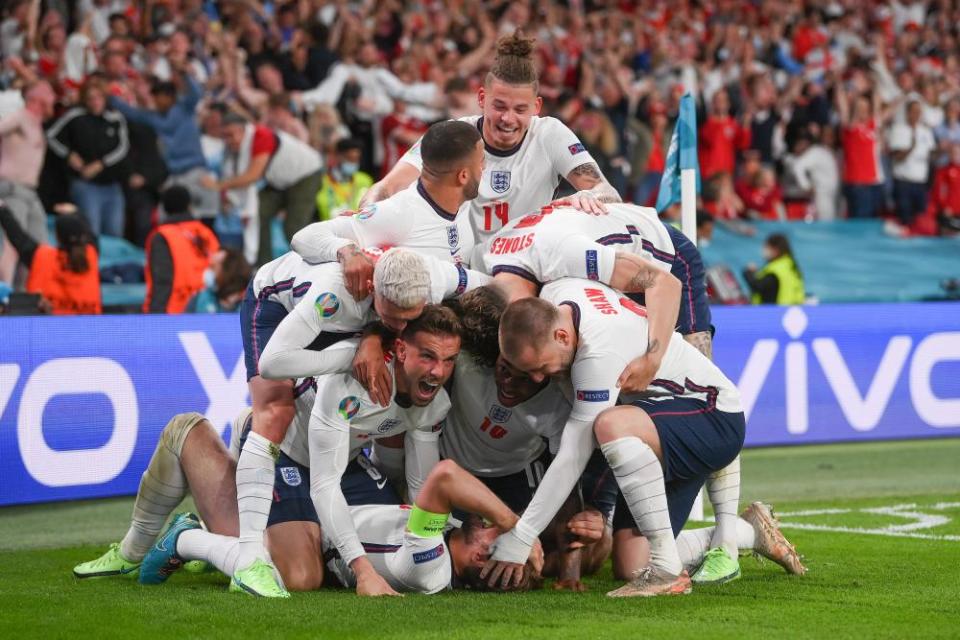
x=814, y=170
x=94, y=142
x=945, y=196
x=67, y=276
x=911, y=146
x=400, y=130
x=224, y=283
x=655, y=141
x=721, y=137
x=343, y=183
x=761, y=195
x=720, y=199
x=279, y=116
x=173, y=118
x=779, y=281
x=862, y=168
x=291, y=172
x=178, y=252
x=147, y=174
x=22, y=149
x=948, y=133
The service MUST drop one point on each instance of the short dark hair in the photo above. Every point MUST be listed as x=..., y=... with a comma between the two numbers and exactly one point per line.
x=446, y=145
x=163, y=88
x=175, y=200
x=236, y=273
x=435, y=319
x=349, y=144
x=528, y=322
x=480, y=310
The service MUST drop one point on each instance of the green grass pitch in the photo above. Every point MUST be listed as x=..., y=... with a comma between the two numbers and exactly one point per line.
x=879, y=525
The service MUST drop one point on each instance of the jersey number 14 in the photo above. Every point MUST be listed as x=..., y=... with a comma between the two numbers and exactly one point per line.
x=500, y=210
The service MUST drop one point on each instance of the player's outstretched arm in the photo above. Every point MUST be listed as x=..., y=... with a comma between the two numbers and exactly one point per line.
x=399, y=178
x=322, y=241
x=329, y=449
x=287, y=356
x=662, y=292
x=449, y=486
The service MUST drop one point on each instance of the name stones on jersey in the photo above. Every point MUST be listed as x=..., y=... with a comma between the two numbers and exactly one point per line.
x=349, y=407
x=500, y=414
x=291, y=475
x=327, y=304
x=388, y=425
x=500, y=181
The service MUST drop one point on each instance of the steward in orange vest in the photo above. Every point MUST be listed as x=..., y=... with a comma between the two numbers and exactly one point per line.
x=178, y=252
x=69, y=276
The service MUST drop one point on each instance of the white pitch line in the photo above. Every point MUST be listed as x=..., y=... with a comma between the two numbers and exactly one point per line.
x=943, y=506
x=811, y=512
x=923, y=520
x=877, y=532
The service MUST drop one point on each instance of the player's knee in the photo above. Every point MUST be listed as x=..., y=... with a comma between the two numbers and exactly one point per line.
x=272, y=421
x=304, y=577
x=612, y=424
x=444, y=470
x=175, y=433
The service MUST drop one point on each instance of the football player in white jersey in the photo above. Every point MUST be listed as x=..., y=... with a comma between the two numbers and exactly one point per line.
x=426, y=352
x=422, y=217
x=316, y=292
x=526, y=154
x=693, y=427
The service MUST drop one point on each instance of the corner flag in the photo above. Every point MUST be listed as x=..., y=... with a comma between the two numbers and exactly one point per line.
x=681, y=156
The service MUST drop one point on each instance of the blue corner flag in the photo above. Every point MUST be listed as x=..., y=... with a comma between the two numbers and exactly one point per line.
x=681, y=155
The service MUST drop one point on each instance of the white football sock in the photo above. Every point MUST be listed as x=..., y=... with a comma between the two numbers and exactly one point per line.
x=693, y=544
x=255, y=470
x=223, y=552
x=723, y=487
x=162, y=487
x=640, y=478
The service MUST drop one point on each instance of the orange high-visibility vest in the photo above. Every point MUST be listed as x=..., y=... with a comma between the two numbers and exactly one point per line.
x=69, y=292
x=191, y=244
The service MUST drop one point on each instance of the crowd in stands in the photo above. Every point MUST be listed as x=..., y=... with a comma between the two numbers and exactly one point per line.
x=808, y=110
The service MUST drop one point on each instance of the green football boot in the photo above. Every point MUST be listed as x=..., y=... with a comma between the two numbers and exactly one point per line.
x=110, y=563
x=258, y=580
x=717, y=567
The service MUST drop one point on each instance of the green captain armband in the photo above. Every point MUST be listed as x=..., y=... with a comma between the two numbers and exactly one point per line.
x=426, y=524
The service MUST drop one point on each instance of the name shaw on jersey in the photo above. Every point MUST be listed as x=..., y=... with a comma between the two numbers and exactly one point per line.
x=599, y=301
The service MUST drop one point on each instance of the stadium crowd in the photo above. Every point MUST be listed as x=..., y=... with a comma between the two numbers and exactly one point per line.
x=807, y=110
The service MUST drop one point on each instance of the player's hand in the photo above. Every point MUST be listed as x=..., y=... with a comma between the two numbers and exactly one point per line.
x=502, y=575
x=588, y=526
x=371, y=371
x=587, y=202
x=569, y=585
x=372, y=584
x=639, y=374
x=357, y=271
x=536, y=557
x=91, y=170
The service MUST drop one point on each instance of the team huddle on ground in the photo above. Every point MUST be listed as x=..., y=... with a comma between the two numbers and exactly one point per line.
x=467, y=384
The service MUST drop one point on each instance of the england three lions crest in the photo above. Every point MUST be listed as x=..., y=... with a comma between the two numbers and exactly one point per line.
x=453, y=236
x=500, y=181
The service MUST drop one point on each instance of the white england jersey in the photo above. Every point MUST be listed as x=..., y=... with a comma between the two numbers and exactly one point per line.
x=289, y=280
x=612, y=331
x=304, y=395
x=558, y=243
x=409, y=218
x=409, y=563
x=521, y=180
x=488, y=439
x=340, y=400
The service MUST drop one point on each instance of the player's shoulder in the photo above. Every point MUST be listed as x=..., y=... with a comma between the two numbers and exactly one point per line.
x=339, y=395
x=470, y=119
x=545, y=125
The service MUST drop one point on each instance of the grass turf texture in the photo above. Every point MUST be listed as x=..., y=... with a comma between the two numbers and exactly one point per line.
x=859, y=585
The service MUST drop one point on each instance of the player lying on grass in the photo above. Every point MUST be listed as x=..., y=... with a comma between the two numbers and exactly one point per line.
x=496, y=430
x=661, y=449
x=411, y=547
x=288, y=305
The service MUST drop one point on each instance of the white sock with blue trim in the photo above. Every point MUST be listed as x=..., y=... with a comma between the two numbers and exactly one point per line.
x=255, y=472
x=723, y=487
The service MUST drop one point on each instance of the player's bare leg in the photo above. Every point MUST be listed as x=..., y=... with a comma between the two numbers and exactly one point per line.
x=629, y=441
x=162, y=487
x=273, y=410
x=295, y=548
